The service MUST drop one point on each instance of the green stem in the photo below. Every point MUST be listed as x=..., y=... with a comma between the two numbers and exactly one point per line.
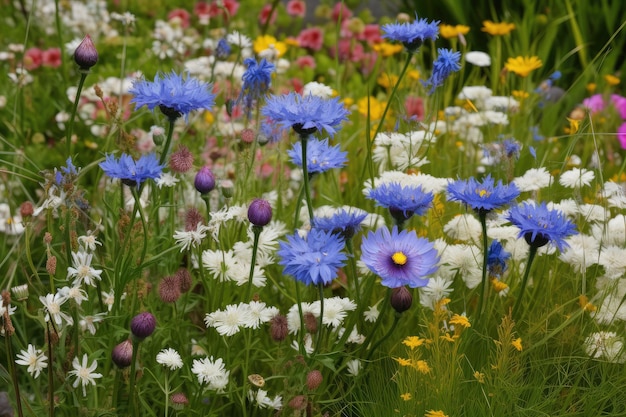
x=50, y=373
x=11, y=363
x=70, y=128
x=305, y=177
x=131, y=387
x=396, y=319
x=269, y=16
x=379, y=319
x=353, y=274
x=320, y=330
x=482, y=302
x=139, y=209
x=255, y=246
x=518, y=303
x=298, y=205
x=168, y=141
x=167, y=393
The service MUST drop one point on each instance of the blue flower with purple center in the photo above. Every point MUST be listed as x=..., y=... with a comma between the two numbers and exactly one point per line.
x=132, y=172
x=306, y=115
x=174, y=95
x=314, y=259
x=539, y=225
x=483, y=196
x=320, y=156
x=399, y=258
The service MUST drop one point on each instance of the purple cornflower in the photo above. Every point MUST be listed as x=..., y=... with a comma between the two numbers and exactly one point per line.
x=496, y=259
x=132, y=172
x=403, y=201
x=399, y=258
x=411, y=34
x=173, y=95
x=344, y=223
x=306, y=115
x=314, y=260
x=257, y=78
x=540, y=225
x=512, y=148
x=67, y=174
x=223, y=49
x=446, y=63
x=320, y=156
x=482, y=197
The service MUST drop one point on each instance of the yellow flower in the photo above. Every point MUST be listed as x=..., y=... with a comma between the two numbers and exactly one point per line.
x=523, y=65
x=497, y=29
x=413, y=74
x=585, y=304
x=406, y=396
x=517, y=344
x=520, y=94
x=498, y=285
x=208, y=117
x=404, y=362
x=611, y=79
x=459, y=320
x=376, y=107
x=413, y=342
x=290, y=41
x=480, y=377
x=574, y=125
x=387, y=49
x=449, y=31
x=449, y=338
x=348, y=101
x=433, y=413
x=591, y=87
x=387, y=80
x=267, y=41
x=422, y=366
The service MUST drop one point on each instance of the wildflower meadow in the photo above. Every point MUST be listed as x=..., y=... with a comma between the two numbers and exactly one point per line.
x=289, y=208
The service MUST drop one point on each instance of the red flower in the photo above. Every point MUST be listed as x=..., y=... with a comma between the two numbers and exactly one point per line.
x=51, y=58
x=33, y=58
x=181, y=15
x=311, y=38
x=296, y=8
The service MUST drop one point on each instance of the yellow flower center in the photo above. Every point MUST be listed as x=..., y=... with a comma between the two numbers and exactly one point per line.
x=399, y=258
x=483, y=193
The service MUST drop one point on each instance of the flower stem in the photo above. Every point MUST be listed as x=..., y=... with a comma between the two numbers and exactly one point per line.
x=168, y=141
x=396, y=319
x=379, y=319
x=131, y=387
x=320, y=327
x=70, y=128
x=531, y=257
x=50, y=372
x=11, y=363
x=482, y=302
x=305, y=177
x=255, y=246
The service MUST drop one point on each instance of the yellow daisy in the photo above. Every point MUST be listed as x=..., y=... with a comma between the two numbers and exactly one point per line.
x=517, y=344
x=449, y=31
x=433, y=413
x=497, y=29
x=267, y=41
x=413, y=342
x=523, y=65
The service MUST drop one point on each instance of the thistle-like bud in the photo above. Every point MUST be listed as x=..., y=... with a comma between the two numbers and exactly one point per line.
x=314, y=379
x=205, y=180
x=259, y=212
x=86, y=54
x=122, y=354
x=142, y=325
x=179, y=401
x=279, y=328
x=401, y=299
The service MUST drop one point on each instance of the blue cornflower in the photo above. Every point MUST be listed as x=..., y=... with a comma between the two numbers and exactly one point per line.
x=344, y=223
x=399, y=258
x=314, y=260
x=306, y=115
x=511, y=148
x=269, y=131
x=132, y=172
x=411, y=34
x=321, y=157
x=403, y=201
x=496, y=259
x=173, y=95
x=67, y=173
x=482, y=197
x=256, y=80
x=540, y=225
x=223, y=49
x=446, y=63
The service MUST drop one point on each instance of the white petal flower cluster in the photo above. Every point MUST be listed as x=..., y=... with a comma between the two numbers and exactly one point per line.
x=235, y=317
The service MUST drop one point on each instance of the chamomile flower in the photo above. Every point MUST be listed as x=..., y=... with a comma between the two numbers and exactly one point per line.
x=84, y=373
x=34, y=358
x=170, y=359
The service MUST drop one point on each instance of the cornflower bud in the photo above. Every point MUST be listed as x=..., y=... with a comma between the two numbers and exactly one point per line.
x=259, y=212
x=401, y=299
x=86, y=54
x=142, y=325
x=122, y=354
x=205, y=180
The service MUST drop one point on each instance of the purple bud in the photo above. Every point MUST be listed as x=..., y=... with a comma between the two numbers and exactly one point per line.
x=205, y=180
x=122, y=354
x=259, y=212
x=142, y=325
x=401, y=299
x=86, y=54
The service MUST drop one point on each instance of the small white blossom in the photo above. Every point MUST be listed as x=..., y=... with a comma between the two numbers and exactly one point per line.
x=34, y=358
x=170, y=359
x=84, y=373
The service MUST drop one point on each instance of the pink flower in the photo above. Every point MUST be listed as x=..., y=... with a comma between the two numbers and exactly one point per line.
x=33, y=58
x=621, y=135
x=296, y=8
x=228, y=8
x=51, y=58
x=306, y=61
x=202, y=10
x=371, y=34
x=180, y=15
x=594, y=103
x=311, y=38
x=341, y=12
x=414, y=108
x=264, y=16
x=620, y=105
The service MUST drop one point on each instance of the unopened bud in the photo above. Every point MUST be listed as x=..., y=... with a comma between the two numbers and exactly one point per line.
x=122, y=354
x=86, y=54
x=401, y=299
x=314, y=379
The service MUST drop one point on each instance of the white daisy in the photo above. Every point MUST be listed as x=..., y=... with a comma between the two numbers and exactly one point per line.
x=371, y=314
x=478, y=58
x=88, y=242
x=34, y=358
x=81, y=269
x=576, y=178
x=88, y=323
x=170, y=359
x=605, y=345
x=210, y=372
x=317, y=89
x=84, y=373
x=52, y=306
x=188, y=239
x=166, y=180
x=437, y=289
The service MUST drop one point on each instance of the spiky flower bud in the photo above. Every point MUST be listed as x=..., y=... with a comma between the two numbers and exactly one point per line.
x=86, y=54
x=142, y=325
x=314, y=379
x=122, y=354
